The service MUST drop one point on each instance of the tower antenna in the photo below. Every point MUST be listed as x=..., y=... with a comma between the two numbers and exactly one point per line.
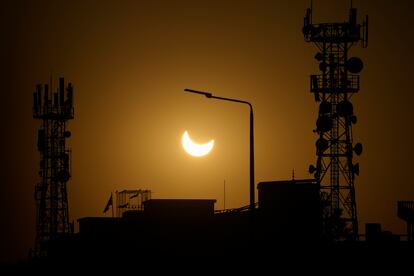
x=335, y=170
x=54, y=110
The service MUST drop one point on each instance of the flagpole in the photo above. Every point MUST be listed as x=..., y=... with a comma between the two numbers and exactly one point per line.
x=112, y=205
x=224, y=194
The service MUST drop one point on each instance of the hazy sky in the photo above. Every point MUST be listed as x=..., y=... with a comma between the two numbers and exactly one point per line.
x=129, y=62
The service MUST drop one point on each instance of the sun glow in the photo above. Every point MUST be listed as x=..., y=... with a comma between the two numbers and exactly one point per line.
x=195, y=149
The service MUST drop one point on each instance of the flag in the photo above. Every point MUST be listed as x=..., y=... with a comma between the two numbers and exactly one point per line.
x=123, y=205
x=108, y=204
x=135, y=195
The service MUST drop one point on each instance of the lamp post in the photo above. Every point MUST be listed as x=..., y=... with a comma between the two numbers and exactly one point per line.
x=209, y=95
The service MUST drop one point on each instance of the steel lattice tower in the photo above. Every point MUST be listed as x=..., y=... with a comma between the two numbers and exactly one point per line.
x=52, y=217
x=333, y=88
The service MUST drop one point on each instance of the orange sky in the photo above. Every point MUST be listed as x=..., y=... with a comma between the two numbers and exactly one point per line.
x=129, y=62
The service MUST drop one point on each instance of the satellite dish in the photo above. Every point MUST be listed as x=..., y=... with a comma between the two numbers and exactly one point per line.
x=322, y=66
x=317, y=98
x=67, y=134
x=66, y=157
x=65, y=160
x=319, y=56
x=345, y=109
x=355, y=169
x=324, y=124
x=325, y=107
x=354, y=65
x=358, y=149
x=353, y=119
x=322, y=144
x=311, y=169
x=63, y=176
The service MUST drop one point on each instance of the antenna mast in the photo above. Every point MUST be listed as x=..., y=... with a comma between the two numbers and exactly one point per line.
x=52, y=214
x=333, y=88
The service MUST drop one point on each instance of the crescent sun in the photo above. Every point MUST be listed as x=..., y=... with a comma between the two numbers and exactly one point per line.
x=195, y=149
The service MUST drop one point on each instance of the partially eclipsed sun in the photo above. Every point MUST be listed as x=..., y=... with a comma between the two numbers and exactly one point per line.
x=195, y=149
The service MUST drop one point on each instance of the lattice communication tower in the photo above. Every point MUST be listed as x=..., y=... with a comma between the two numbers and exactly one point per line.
x=52, y=212
x=333, y=88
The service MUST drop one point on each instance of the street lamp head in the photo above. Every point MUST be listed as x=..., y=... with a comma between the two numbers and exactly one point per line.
x=208, y=95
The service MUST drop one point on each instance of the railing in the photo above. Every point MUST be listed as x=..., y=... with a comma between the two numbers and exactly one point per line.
x=236, y=210
x=321, y=85
x=332, y=32
x=406, y=210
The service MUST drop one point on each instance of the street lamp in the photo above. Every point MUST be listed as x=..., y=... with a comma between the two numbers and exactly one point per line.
x=209, y=95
